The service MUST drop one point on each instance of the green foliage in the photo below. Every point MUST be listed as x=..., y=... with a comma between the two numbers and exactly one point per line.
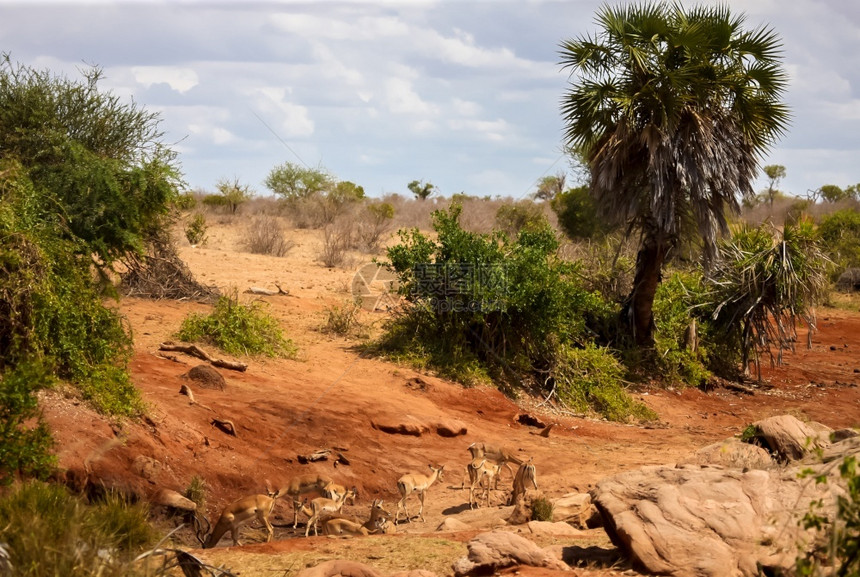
x=25, y=439
x=84, y=181
x=679, y=334
x=775, y=173
x=833, y=193
x=422, y=190
x=542, y=509
x=591, y=378
x=196, y=492
x=185, y=201
x=488, y=307
x=838, y=551
x=764, y=282
x=238, y=329
x=195, y=230
x=514, y=217
x=50, y=532
x=577, y=213
x=550, y=186
x=293, y=182
x=233, y=194
x=840, y=235
x=750, y=433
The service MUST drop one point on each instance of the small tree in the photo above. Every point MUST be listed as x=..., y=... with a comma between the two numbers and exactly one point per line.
x=421, y=190
x=832, y=193
x=550, y=186
x=293, y=182
x=775, y=173
x=233, y=193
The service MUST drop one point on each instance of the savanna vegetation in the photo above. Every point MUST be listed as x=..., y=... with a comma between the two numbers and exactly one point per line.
x=546, y=296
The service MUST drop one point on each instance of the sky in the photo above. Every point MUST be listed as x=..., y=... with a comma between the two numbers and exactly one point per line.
x=462, y=94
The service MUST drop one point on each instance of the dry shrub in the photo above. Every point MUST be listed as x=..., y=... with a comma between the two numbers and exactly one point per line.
x=265, y=235
x=337, y=240
x=373, y=222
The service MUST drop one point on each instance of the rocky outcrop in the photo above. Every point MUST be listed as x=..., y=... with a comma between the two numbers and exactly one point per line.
x=399, y=425
x=577, y=510
x=494, y=551
x=788, y=438
x=732, y=454
x=715, y=520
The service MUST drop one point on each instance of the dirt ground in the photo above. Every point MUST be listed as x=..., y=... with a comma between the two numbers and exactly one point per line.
x=329, y=397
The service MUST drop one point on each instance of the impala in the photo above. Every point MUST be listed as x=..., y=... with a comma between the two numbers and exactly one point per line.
x=241, y=511
x=416, y=483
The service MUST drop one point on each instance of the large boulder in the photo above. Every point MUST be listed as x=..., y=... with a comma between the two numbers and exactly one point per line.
x=399, y=425
x=496, y=550
x=715, y=521
x=788, y=438
x=733, y=454
x=576, y=509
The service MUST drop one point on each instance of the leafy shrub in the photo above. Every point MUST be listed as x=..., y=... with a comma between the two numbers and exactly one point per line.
x=512, y=218
x=542, y=509
x=185, y=201
x=838, y=550
x=675, y=323
x=577, y=213
x=195, y=230
x=25, y=439
x=265, y=235
x=76, y=197
x=840, y=235
x=50, y=532
x=484, y=306
x=591, y=378
x=238, y=329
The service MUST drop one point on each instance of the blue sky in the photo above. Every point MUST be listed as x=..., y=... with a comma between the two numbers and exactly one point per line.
x=463, y=94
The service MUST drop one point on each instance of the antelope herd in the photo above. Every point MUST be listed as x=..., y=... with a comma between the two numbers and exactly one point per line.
x=324, y=509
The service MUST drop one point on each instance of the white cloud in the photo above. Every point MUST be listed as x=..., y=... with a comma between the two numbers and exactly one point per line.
x=178, y=78
x=401, y=98
x=292, y=119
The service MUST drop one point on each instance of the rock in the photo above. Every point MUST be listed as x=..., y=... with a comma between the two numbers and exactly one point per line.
x=693, y=521
x=399, y=425
x=491, y=552
x=553, y=528
x=842, y=434
x=576, y=509
x=524, y=507
x=169, y=498
x=453, y=524
x=414, y=573
x=787, y=437
x=146, y=467
x=450, y=428
x=731, y=453
x=207, y=377
x=340, y=568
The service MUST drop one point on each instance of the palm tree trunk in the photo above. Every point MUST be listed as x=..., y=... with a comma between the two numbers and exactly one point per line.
x=649, y=266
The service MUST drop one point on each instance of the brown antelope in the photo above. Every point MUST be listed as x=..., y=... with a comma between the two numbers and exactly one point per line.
x=525, y=474
x=298, y=487
x=241, y=511
x=377, y=523
x=322, y=505
x=482, y=473
x=494, y=453
x=416, y=483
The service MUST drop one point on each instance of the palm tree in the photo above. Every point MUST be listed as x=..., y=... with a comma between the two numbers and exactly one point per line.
x=672, y=109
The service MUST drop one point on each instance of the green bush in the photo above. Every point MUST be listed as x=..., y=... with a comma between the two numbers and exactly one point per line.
x=488, y=307
x=542, y=509
x=25, y=439
x=577, y=214
x=514, y=217
x=238, y=329
x=591, y=378
x=837, y=552
x=675, y=304
x=840, y=236
x=50, y=532
x=195, y=230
